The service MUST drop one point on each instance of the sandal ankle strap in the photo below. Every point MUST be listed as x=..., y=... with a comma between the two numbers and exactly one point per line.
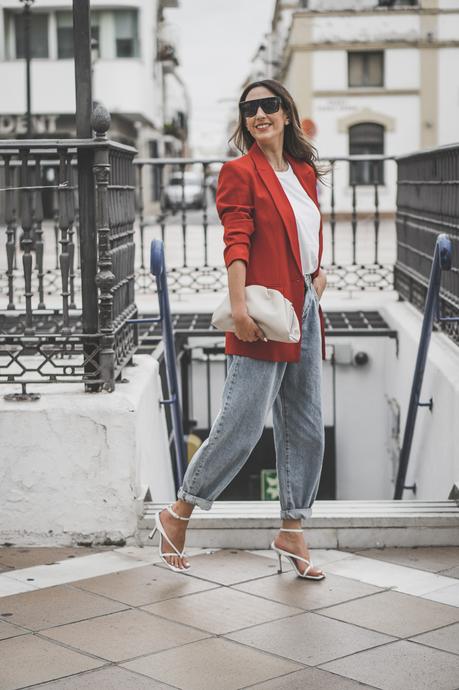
x=286, y=529
x=172, y=512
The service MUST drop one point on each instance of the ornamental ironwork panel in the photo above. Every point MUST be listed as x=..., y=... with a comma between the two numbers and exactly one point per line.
x=176, y=202
x=48, y=258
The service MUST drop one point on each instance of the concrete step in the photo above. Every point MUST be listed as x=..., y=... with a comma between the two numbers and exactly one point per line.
x=332, y=525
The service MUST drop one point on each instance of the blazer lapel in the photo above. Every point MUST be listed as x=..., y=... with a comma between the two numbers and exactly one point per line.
x=279, y=197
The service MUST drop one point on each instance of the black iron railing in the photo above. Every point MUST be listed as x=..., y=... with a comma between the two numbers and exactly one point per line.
x=42, y=313
x=428, y=205
x=359, y=229
x=359, y=235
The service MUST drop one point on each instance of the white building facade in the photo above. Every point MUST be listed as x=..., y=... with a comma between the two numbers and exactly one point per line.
x=132, y=65
x=369, y=77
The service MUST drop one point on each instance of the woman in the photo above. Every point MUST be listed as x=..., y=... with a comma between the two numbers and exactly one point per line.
x=267, y=203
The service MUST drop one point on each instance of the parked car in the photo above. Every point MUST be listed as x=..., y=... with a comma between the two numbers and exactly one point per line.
x=187, y=188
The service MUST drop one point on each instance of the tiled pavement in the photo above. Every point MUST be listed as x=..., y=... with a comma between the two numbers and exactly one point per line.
x=382, y=618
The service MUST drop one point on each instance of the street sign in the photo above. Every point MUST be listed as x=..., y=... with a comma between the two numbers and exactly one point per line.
x=269, y=485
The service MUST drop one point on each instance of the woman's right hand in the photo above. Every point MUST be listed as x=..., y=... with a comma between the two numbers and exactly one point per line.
x=247, y=329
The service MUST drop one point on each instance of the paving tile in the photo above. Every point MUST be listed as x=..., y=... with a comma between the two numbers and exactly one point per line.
x=229, y=566
x=221, y=610
x=34, y=660
x=431, y=558
x=71, y=570
x=112, y=678
x=149, y=554
x=9, y=585
x=144, y=585
x=383, y=574
x=311, y=679
x=446, y=638
x=402, y=664
x=210, y=664
x=8, y=630
x=322, y=556
x=109, y=678
x=124, y=635
x=44, y=608
x=451, y=572
x=26, y=556
x=293, y=591
x=309, y=638
x=445, y=595
x=394, y=613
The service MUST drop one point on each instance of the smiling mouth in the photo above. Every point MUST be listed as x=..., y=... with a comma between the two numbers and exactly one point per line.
x=262, y=126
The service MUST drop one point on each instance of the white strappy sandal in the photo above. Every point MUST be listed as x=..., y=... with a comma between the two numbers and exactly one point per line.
x=293, y=558
x=159, y=527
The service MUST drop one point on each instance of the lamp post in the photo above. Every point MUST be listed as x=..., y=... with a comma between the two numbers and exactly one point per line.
x=26, y=14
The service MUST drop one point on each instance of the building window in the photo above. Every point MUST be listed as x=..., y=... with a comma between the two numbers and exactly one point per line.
x=366, y=138
x=38, y=35
x=64, y=22
x=95, y=35
x=366, y=68
x=398, y=3
x=64, y=35
x=126, y=35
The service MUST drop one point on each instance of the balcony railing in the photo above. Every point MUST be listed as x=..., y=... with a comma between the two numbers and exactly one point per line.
x=359, y=228
x=428, y=205
x=42, y=317
x=45, y=264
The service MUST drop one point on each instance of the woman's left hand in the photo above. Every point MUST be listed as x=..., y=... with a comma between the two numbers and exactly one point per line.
x=320, y=282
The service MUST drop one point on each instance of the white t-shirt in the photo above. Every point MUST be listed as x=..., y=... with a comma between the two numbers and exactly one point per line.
x=307, y=217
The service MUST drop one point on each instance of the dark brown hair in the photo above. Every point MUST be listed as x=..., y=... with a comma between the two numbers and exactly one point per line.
x=295, y=141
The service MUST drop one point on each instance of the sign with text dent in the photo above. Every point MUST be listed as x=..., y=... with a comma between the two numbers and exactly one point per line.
x=13, y=125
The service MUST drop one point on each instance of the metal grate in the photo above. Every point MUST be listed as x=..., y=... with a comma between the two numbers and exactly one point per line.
x=337, y=323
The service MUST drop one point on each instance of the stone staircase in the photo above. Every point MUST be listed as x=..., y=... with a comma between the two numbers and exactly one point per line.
x=333, y=524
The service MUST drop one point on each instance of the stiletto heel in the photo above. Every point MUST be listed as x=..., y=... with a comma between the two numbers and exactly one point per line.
x=159, y=527
x=293, y=558
x=280, y=563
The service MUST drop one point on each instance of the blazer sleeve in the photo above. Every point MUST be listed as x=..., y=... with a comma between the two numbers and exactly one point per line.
x=236, y=211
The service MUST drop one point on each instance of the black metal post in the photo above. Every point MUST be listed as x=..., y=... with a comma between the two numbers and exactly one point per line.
x=27, y=56
x=86, y=193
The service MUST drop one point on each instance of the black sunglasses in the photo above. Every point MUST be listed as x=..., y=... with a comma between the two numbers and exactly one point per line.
x=269, y=105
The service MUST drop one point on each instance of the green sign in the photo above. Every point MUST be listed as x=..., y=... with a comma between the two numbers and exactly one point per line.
x=269, y=485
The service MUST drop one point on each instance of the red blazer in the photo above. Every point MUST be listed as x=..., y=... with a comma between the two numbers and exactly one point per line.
x=260, y=228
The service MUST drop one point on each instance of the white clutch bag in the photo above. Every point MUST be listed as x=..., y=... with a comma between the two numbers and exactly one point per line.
x=269, y=308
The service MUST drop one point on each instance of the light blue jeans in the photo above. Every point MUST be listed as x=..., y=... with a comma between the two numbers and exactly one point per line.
x=294, y=392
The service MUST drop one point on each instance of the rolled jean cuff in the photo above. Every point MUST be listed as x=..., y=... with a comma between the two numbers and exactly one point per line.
x=296, y=513
x=202, y=503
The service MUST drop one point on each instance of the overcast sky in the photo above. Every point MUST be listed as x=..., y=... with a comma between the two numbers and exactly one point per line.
x=217, y=40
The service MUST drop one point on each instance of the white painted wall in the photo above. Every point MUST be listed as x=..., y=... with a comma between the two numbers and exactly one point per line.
x=368, y=27
x=361, y=462
x=434, y=460
x=407, y=78
x=448, y=92
x=75, y=466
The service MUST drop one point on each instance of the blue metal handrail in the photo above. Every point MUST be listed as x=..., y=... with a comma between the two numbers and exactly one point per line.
x=441, y=262
x=158, y=269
